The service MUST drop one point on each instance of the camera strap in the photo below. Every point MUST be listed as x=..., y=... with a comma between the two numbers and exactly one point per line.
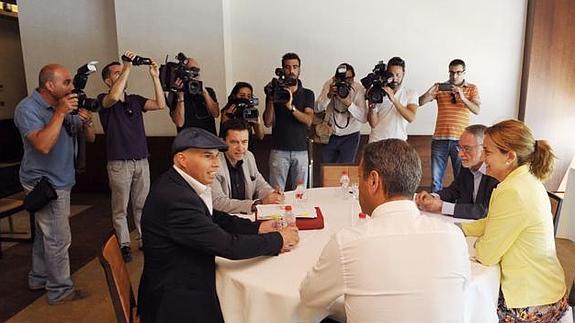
x=333, y=114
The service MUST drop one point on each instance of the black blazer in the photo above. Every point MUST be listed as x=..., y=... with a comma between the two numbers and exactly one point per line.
x=460, y=192
x=181, y=240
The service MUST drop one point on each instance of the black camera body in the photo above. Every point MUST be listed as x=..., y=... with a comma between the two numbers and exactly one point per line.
x=279, y=86
x=246, y=109
x=171, y=71
x=137, y=60
x=342, y=87
x=375, y=81
x=80, y=80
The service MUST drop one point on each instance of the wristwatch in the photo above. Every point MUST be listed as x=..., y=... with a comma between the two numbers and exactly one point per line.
x=292, y=109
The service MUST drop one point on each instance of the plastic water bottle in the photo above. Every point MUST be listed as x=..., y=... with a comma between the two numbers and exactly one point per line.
x=362, y=218
x=300, y=192
x=289, y=217
x=344, y=183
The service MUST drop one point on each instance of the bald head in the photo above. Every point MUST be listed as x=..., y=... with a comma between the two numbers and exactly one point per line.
x=192, y=62
x=49, y=73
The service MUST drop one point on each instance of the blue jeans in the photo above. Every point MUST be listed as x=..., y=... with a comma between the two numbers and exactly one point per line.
x=128, y=179
x=283, y=162
x=50, y=259
x=340, y=149
x=440, y=151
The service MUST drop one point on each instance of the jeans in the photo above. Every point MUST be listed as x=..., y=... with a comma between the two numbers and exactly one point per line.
x=128, y=179
x=50, y=259
x=340, y=149
x=283, y=162
x=440, y=151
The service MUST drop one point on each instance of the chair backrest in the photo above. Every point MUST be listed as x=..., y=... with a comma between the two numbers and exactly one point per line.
x=331, y=173
x=118, y=281
x=556, y=203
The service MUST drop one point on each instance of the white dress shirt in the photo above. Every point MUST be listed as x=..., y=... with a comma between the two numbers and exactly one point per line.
x=448, y=207
x=347, y=122
x=205, y=192
x=391, y=123
x=400, y=266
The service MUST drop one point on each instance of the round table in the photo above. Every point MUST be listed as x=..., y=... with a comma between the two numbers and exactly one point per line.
x=266, y=289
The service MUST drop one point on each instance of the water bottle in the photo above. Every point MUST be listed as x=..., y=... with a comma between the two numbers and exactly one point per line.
x=300, y=192
x=289, y=217
x=362, y=218
x=344, y=182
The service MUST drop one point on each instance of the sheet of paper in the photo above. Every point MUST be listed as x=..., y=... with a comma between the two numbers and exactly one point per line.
x=270, y=211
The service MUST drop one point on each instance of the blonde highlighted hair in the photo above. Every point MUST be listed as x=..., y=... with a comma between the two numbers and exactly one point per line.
x=514, y=135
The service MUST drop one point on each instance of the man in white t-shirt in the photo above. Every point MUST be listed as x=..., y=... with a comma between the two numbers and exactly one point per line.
x=399, y=266
x=343, y=101
x=389, y=118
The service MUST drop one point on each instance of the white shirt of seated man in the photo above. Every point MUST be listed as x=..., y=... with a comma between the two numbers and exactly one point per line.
x=400, y=266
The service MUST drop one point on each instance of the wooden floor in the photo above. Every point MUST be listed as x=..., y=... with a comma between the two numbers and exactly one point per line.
x=97, y=306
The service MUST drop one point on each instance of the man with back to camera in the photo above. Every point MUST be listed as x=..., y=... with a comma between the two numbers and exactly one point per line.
x=183, y=234
x=389, y=118
x=194, y=110
x=344, y=103
x=468, y=195
x=290, y=121
x=377, y=265
x=48, y=125
x=126, y=146
x=455, y=99
x=239, y=186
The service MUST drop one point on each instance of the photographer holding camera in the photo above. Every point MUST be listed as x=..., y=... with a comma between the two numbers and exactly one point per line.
x=242, y=105
x=343, y=100
x=289, y=110
x=389, y=117
x=49, y=120
x=192, y=109
x=126, y=146
x=455, y=99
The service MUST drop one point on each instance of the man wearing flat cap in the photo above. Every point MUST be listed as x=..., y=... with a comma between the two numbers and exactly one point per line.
x=182, y=234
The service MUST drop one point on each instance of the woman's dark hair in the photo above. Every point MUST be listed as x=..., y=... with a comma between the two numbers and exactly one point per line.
x=236, y=89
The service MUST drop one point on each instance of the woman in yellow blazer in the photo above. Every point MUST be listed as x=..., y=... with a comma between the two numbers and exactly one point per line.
x=517, y=233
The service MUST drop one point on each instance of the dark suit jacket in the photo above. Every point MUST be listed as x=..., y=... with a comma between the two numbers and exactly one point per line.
x=460, y=192
x=181, y=240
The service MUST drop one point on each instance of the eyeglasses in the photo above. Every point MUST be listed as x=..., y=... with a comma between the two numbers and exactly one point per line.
x=456, y=72
x=466, y=149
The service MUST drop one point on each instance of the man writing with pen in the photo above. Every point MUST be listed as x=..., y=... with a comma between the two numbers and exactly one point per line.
x=239, y=186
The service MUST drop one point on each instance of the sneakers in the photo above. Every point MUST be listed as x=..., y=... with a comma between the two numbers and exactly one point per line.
x=35, y=287
x=72, y=295
x=126, y=253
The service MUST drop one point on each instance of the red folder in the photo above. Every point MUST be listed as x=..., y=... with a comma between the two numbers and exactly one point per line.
x=311, y=224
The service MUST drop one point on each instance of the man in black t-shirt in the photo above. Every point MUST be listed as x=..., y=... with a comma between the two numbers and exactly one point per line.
x=290, y=121
x=194, y=110
x=126, y=145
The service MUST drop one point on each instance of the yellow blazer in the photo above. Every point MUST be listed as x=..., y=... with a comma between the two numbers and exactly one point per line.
x=518, y=234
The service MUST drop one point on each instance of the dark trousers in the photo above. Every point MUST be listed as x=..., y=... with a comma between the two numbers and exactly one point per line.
x=341, y=149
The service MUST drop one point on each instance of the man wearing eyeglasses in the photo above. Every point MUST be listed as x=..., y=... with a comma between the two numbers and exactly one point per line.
x=343, y=101
x=126, y=146
x=468, y=196
x=456, y=98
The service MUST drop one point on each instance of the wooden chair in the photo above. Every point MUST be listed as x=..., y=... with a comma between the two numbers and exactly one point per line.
x=330, y=174
x=556, y=203
x=118, y=281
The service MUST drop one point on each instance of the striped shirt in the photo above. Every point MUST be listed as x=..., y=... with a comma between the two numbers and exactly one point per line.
x=452, y=118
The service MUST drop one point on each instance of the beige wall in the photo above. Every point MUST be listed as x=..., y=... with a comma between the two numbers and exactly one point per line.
x=71, y=33
x=11, y=68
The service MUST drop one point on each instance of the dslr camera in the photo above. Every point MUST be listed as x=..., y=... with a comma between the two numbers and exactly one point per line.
x=246, y=109
x=278, y=87
x=137, y=60
x=171, y=71
x=80, y=80
x=375, y=81
x=342, y=87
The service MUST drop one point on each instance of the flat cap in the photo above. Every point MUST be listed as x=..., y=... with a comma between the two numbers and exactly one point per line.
x=197, y=138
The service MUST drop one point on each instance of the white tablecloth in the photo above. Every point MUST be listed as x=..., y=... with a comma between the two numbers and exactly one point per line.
x=266, y=289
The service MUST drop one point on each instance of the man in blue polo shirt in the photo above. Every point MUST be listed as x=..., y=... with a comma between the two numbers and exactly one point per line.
x=49, y=133
x=126, y=147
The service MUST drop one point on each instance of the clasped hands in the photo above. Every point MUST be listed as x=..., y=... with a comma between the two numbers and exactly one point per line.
x=427, y=202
